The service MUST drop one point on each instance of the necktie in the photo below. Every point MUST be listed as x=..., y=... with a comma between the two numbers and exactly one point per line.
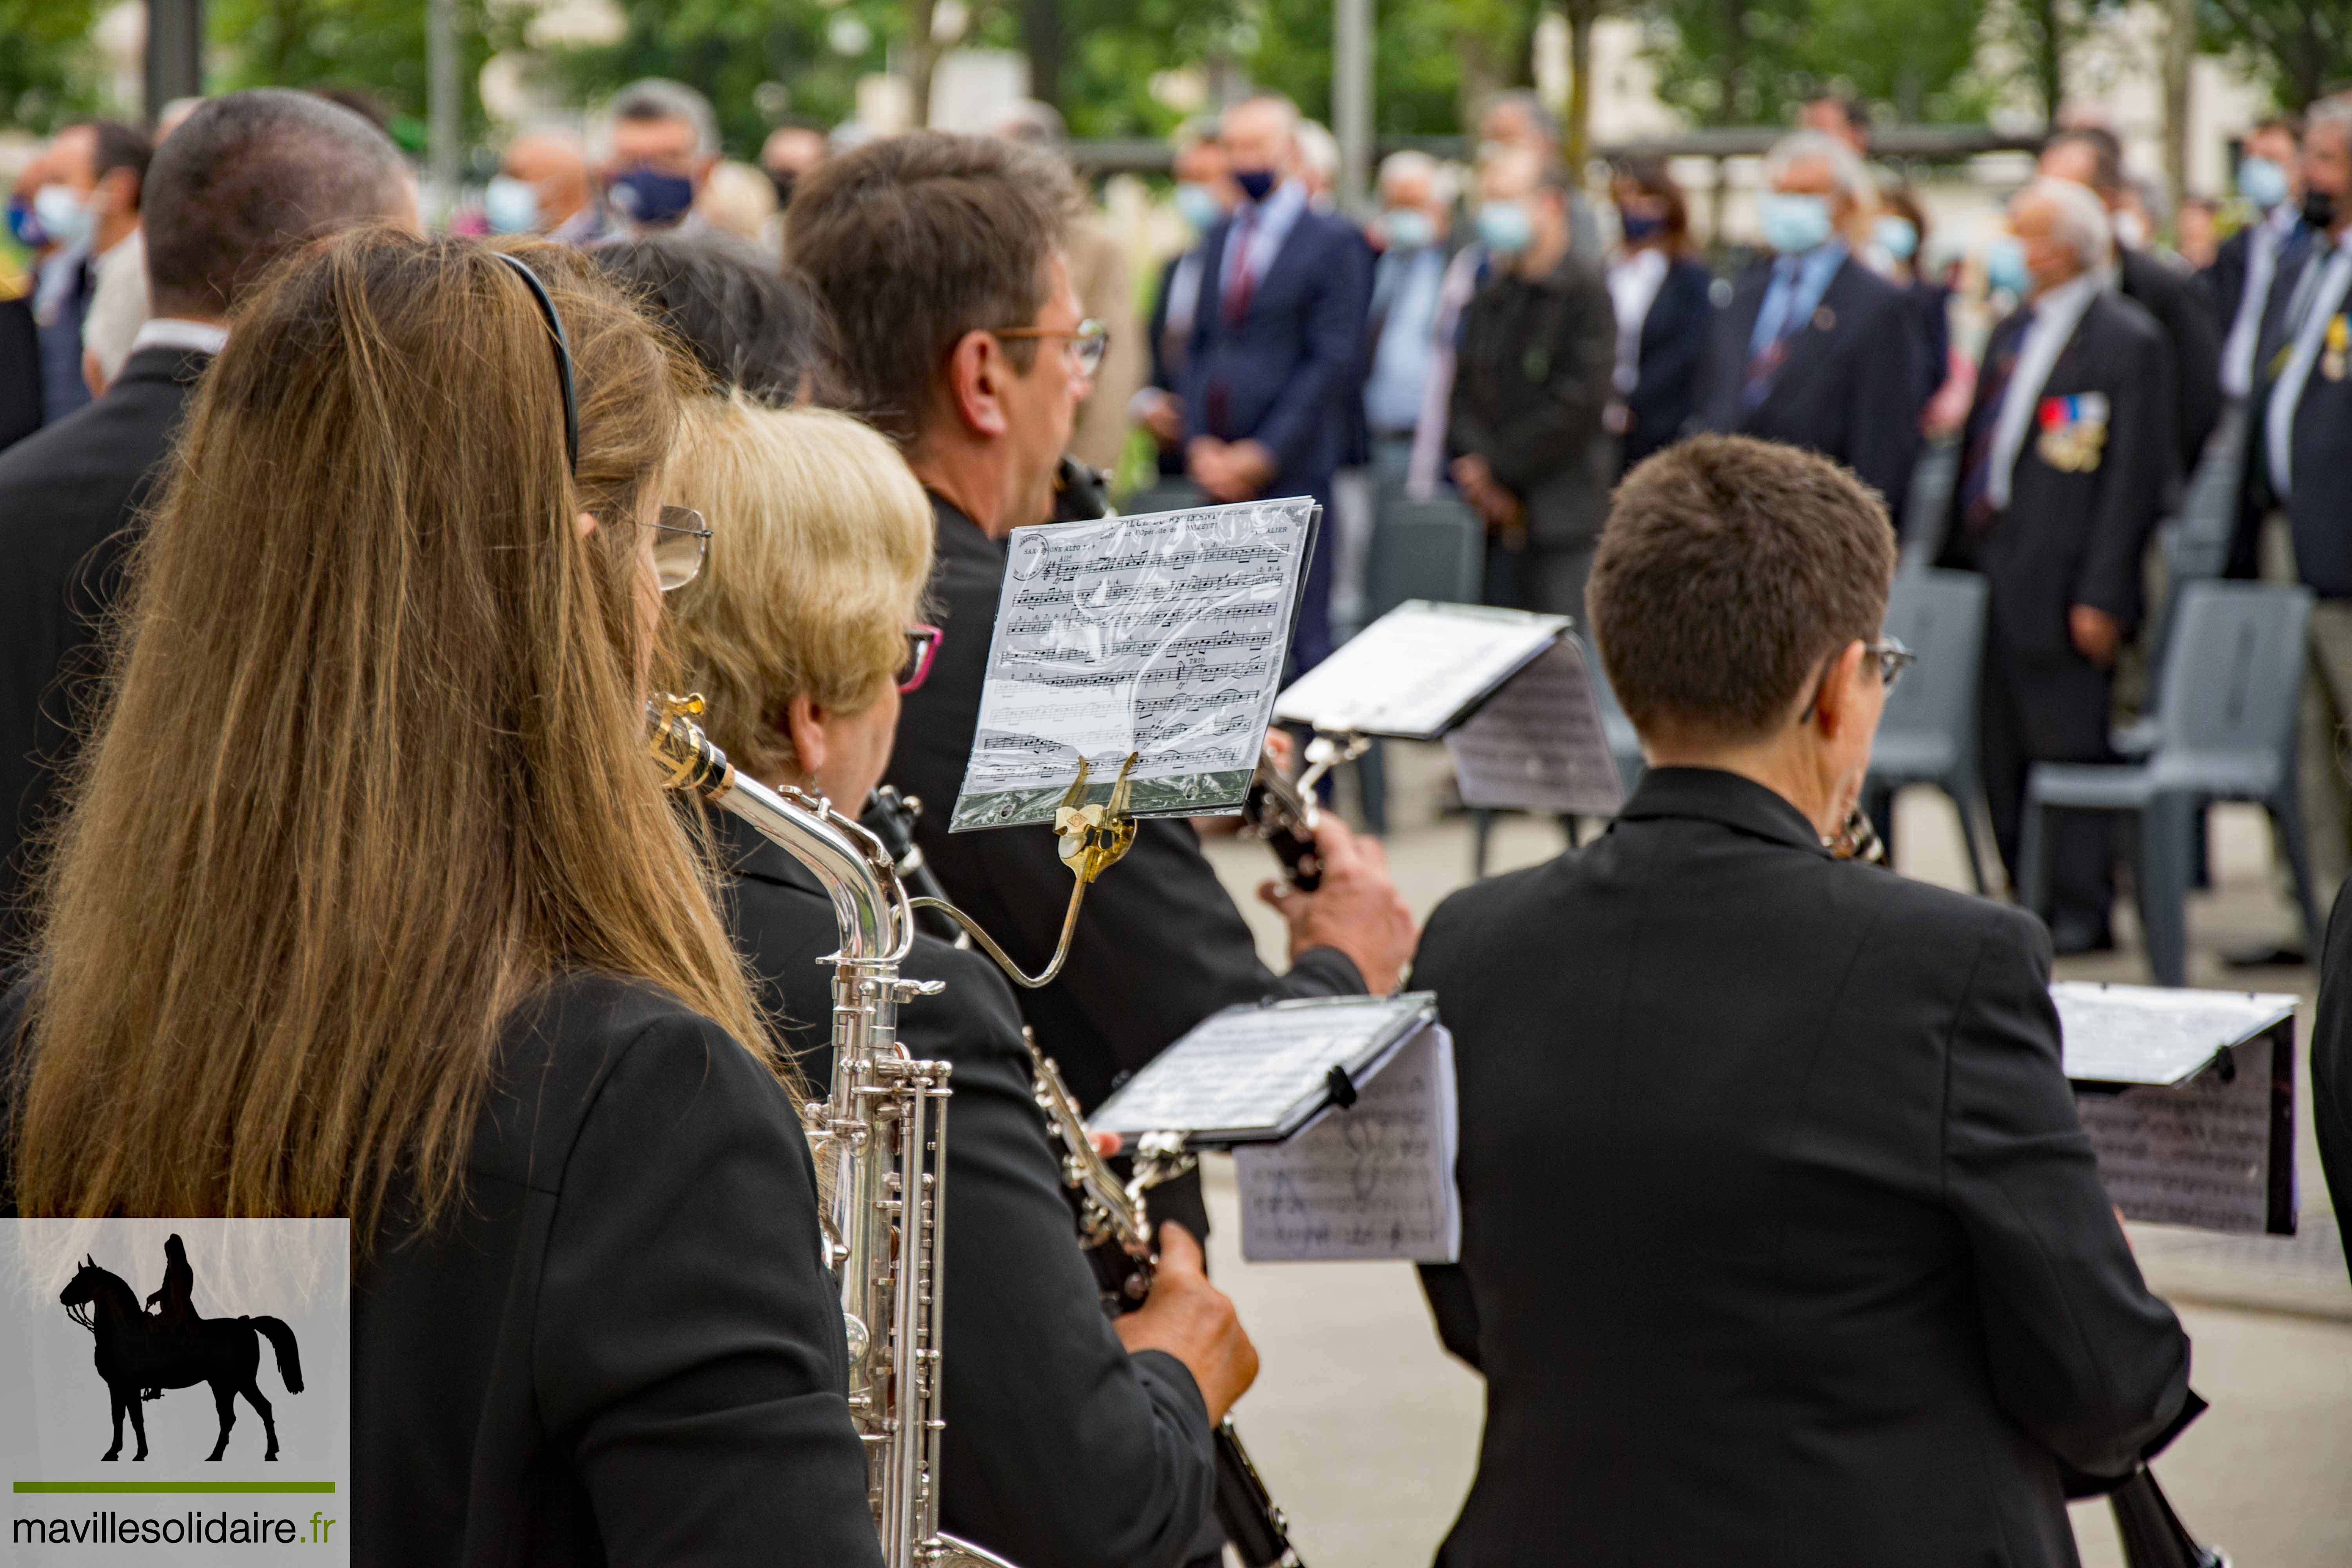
x=1976, y=469
x=1766, y=361
x=1238, y=295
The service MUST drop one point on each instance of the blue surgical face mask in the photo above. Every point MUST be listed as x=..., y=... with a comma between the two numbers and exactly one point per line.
x=1504, y=229
x=1199, y=205
x=1409, y=228
x=511, y=206
x=649, y=196
x=1793, y=224
x=64, y=213
x=2261, y=181
x=1255, y=184
x=2004, y=265
x=1895, y=235
x=24, y=226
x=1640, y=228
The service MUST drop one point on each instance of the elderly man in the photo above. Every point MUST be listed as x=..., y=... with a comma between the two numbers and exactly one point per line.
x=1912, y=1307
x=1532, y=378
x=1416, y=218
x=2065, y=461
x=2091, y=157
x=1816, y=349
x=248, y=179
x=1277, y=342
x=542, y=187
x=661, y=143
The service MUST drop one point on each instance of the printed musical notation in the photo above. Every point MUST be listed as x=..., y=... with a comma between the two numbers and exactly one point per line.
x=1412, y=674
x=1161, y=636
x=1538, y=745
x=1374, y=1180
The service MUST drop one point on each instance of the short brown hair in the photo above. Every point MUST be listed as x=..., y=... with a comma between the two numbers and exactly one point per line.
x=919, y=240
x=1729, y=568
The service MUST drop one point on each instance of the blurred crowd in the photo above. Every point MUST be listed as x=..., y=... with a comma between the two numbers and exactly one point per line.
x=1497, y=342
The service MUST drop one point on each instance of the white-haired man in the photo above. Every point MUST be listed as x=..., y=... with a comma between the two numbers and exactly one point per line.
x=2066, y=459
x=661, y=143
x=1416, y=217
x=1816, y=349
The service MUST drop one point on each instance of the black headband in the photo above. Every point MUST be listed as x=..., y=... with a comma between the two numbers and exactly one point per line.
x=563, y=357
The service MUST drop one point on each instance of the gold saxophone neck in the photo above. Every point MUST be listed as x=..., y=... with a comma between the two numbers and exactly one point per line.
x=688, y=759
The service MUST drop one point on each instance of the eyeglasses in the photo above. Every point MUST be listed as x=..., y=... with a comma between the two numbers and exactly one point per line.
x=1089, y=340
x=680, y=541
x=922, y=647
x=1892, y=658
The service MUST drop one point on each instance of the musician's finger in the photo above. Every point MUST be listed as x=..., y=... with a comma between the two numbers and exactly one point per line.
x=1178, y=1252
x=1279, y=895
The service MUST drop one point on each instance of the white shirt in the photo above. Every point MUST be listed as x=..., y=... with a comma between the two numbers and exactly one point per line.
x=2056, y=313
x=2278, y=415
x=1633, y=284
x=174, y=333
x=1268, y=224
x=2263, y=244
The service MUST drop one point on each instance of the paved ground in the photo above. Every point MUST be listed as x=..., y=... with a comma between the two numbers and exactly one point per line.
x=1368, y=1432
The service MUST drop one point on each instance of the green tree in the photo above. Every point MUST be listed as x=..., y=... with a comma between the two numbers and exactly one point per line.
x=1745, y=62
x=377, y=46
x=2302, y=47
x=47, y=73
x=1432, y=59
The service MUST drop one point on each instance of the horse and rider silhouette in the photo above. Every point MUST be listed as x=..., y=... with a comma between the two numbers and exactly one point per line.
x=140, y=1353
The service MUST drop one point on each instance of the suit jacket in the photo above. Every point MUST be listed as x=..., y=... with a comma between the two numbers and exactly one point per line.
x=2319, y=495
x=20, y=371
x=1849, y=388
x=2168, y=292
x=1160, y=945
x=1286, y=374
x=621, y=1348
x=1061, y=1449
x=1933, y=304
x=2223, y=279
x=2331, y=1069
x=2074, y=538
x=1168, y=349
x=1780, y=1243
x=69, y=500
x=1674, y=339
x=1532, y=378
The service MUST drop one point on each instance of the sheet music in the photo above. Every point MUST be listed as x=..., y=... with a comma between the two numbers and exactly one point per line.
x=2197, y=1153
x=1374, y=1180
x=1414, y=671
x=1537, y=743
x=2151, y=1034
x=1259, y=1071
x=1163, y=635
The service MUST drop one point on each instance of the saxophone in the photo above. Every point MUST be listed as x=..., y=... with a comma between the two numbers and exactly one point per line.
x=1114, y=1228
x=878, y=1138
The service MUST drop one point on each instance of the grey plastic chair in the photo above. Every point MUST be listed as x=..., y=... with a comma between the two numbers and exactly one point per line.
x=1433, y=549
x=2226, y=722
x=1928, y=734
x=2196, y=549
x=1928, y=504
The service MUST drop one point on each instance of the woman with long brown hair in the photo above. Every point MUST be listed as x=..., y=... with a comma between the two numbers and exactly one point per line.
x=370, y=902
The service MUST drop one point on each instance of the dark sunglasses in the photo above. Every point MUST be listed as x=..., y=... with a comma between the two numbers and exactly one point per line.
x=922, y=647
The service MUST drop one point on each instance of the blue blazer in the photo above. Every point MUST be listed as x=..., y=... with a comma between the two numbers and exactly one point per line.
x=1674, y=339
x=1286, y=374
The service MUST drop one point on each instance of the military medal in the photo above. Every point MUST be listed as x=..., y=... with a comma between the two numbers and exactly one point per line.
x=2340, y=340
x=2074, y=432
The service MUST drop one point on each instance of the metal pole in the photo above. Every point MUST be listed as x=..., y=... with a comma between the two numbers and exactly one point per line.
x=1352, y=97
x=443, y=121
x=176, y=53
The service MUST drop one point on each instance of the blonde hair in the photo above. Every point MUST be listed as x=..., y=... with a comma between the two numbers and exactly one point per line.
x=373, y=768
x=819, y=547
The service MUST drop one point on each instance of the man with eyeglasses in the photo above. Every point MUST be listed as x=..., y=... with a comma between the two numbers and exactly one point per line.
x=1779, y=1235
x=940, y=256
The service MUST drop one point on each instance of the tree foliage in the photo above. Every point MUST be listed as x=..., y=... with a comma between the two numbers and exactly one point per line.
x=2302, y=47
x=47, y=77
x=374, y=44
x=1743, y=62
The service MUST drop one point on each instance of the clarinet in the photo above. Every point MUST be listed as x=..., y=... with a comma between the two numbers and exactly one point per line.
x=1279, y=812
x=1115, y=1228
x=891, y=817
x=879, y=1138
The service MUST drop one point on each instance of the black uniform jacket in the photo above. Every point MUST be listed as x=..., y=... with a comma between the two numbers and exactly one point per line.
x=2331, y=1068
x=69, y=498
x=1061, y=1449
x=1531, y=382
x=2073, y=536
x=2184, y=310
x=1160, y=945
x=622, y=1347
x=1782, y=1243
x=1849, y=387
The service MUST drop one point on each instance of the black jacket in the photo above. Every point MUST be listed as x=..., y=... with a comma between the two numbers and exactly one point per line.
x=1674, y=339
x=2319, y=494
x=1160, y=945
x=1781, y=1244
x=2184, y=310
x=2069, y=537
x=20, y=371
x=2331, y=1069
x=1531, y=381
x=622, y=1348
x=69, y=498
x=1061, y=1449
x=1849, y=388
